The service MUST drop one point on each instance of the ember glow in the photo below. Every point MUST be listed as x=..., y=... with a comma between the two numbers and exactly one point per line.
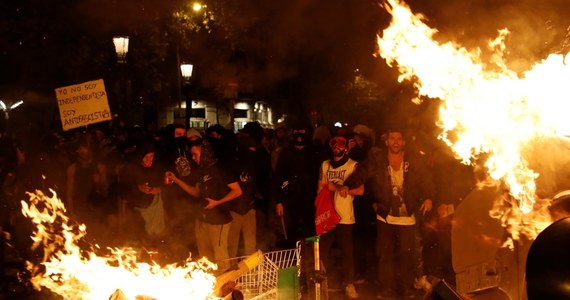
x=76, y=273
x=485, y=108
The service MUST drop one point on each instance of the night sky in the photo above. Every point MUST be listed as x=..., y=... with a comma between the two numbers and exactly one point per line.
x=297, y=54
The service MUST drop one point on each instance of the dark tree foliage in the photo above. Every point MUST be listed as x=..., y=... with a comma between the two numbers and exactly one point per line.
x=297, y=55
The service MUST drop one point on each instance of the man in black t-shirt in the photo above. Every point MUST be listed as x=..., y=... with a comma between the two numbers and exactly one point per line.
x=215, y=188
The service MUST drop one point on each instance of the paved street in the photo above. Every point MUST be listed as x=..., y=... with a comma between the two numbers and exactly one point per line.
x=367, y=291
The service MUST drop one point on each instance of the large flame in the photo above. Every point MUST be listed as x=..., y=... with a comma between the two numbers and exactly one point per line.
x=73, y=273
x=486, y=108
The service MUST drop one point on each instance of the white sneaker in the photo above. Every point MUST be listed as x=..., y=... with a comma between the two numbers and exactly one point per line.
x=350, y=291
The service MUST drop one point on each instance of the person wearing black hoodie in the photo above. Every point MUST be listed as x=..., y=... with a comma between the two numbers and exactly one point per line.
x=142, y=180
x=180, y=207
x=362, y=149
x=260, y=157
x=242, y=209
x=296, y=176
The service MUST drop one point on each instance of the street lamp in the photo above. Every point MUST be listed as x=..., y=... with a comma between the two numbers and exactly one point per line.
x=7, y=108
x=197, y=6
x=121, y=47
x=186, y=71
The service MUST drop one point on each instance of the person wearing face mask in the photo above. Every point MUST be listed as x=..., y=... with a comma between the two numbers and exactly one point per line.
x=294, y=181
x=362, y=148
x=174, y=149
x=180, y=207
x=296, y=175
x=223, y=142
x=333, y=176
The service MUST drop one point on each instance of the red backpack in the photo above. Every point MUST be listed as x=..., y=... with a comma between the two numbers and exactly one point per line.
x=326, y=217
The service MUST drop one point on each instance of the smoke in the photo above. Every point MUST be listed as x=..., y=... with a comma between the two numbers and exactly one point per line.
x=549, y=156
x=537, y=27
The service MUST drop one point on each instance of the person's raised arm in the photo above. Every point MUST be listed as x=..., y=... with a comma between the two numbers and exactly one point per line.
x=192, y=190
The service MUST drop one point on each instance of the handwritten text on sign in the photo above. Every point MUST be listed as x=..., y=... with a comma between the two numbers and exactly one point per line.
x=83, y=104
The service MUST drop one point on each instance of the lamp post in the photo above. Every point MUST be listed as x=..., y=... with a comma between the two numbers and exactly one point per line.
x=121, y=48
x=186, y=71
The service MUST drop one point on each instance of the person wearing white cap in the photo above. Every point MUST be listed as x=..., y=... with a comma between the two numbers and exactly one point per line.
x=193, y=134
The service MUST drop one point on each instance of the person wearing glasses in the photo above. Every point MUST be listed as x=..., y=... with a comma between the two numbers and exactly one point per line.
x=333, y=176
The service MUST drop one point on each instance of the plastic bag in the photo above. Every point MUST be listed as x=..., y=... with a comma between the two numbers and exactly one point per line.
x=153, y=216
x=326, y=217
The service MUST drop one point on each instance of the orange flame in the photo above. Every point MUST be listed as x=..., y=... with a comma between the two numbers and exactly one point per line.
x=74, y=273
x=486, y=108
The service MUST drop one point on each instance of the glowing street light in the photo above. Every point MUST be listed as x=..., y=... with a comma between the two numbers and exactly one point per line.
x=186, y=71
x=7, y=108
x=197, y=6
x=121, y=47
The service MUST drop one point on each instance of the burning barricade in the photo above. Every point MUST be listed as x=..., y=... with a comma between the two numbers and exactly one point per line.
x=73, y=272
x=69, y=269
x=512, y=124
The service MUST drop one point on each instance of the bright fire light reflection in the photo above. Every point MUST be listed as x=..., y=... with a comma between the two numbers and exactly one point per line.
x=486, y=108
x=76, y=273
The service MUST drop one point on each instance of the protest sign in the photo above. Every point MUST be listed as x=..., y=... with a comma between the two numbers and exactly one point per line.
x=83, y=104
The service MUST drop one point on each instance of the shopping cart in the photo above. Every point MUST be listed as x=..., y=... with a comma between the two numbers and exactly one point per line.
x=261, y=282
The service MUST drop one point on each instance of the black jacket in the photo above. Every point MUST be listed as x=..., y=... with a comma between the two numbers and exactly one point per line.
x=418, y=184
x=296, y=177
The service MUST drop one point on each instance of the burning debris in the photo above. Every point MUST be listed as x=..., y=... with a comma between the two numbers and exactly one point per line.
x=488, y=112
x=74, y=272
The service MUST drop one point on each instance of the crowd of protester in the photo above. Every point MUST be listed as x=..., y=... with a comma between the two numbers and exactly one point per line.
x=222, y=194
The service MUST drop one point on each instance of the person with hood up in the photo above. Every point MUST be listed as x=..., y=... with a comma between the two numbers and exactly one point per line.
x=141, y=207
x=362, y=148
x=175, y=154
x=296, y=176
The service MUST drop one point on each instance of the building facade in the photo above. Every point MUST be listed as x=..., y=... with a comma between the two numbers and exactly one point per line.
x=231, y=114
